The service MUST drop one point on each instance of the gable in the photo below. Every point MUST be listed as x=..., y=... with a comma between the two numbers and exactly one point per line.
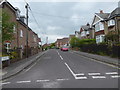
x=96, y=19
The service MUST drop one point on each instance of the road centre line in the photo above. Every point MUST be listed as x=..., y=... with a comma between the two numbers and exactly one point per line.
x=23, y=81
x=70, y=70
x=60, y=55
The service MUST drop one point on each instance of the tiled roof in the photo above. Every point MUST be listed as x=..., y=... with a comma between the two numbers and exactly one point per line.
x=85, y=27
x=115, y=12
x=103, y=15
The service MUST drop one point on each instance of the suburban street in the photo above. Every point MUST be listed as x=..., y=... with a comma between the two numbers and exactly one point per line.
x=58, y=69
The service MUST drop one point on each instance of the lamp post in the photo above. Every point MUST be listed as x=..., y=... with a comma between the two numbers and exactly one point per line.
x=26, y=6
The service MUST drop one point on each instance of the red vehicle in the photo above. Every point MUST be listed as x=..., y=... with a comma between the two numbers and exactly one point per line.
x=64, y=49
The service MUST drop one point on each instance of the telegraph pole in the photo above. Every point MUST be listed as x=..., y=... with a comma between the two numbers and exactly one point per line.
x=26, y=6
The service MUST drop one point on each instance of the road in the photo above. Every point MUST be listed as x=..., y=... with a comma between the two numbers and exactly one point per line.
x=58, y=69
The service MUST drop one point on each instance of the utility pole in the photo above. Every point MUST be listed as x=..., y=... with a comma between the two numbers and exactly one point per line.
x=46, y=40
x=26, y=6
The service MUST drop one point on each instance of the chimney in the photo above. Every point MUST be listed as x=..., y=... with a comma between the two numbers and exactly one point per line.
x=101, y=11
x=88, y=24
x=22, y=18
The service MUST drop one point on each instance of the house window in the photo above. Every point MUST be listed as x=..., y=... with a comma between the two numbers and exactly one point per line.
x=99, y=26
x=21, y=46
x=21, y=33
x=111, y=22
x=14, y=29
x=100, y=38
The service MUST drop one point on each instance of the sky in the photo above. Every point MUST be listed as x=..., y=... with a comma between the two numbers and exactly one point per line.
x=60, y=19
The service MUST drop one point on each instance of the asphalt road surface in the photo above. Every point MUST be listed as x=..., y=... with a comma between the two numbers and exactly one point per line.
x=58, y=69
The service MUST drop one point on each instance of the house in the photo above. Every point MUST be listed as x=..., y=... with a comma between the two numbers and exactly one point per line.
x=84, y=31
x=100, y=25
x=77, y=34
x=62, y=42
x=20, y=30
x=114, y=23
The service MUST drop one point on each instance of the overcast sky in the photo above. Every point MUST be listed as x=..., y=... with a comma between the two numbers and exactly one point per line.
x=60, y=19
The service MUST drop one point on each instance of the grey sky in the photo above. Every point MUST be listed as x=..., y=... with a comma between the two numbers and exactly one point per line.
x=60, y=19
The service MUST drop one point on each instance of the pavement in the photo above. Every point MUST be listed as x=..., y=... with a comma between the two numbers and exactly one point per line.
x=106, y=59
x=19, y=66
x=58, y=69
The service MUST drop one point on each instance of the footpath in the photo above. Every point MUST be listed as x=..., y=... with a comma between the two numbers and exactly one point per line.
x=19, y=66
x=106, y=59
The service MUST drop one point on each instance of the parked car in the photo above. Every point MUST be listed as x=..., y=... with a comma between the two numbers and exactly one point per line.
x=64, y=48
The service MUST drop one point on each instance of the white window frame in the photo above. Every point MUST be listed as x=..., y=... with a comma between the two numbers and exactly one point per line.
x=21, y=33
x=100, y=38
x=14, y=28
x=111, y=22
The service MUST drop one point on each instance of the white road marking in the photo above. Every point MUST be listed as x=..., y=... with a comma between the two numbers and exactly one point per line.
x=5, y=83
x=93, y=73
x=110, y=73
x=42, y=80
x=95, y=77
x=23, y=81
x=61, y=57
x=30, y=67
x=80, y=74
x=116, y=76
x=61, y=79
x=70, y=69
x=81, y=77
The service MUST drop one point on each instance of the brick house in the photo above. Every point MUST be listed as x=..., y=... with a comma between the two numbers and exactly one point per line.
x=20, y=29
x=114, y=22
x=84, y=31
x=77, y=34
x=62, y=42
x=100, y=25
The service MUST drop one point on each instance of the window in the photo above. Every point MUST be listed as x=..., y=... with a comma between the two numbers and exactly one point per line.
x=100, y=38
x=14, y=29
x=111, y=22
x=21, y=33
x=99, y=26
x=21, y=46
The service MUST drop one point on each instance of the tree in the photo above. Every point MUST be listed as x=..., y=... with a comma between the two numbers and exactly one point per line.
x=74, y=42
x=7, y=27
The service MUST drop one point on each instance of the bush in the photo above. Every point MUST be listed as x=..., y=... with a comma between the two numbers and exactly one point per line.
x=13, y=55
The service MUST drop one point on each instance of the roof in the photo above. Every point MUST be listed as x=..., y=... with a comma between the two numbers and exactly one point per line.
x=77, y=32
x=85, y=27
x=115, y=12
x=103, y=15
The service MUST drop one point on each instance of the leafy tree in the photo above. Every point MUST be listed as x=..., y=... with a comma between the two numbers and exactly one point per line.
x=76, y=42
x=7, y=27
